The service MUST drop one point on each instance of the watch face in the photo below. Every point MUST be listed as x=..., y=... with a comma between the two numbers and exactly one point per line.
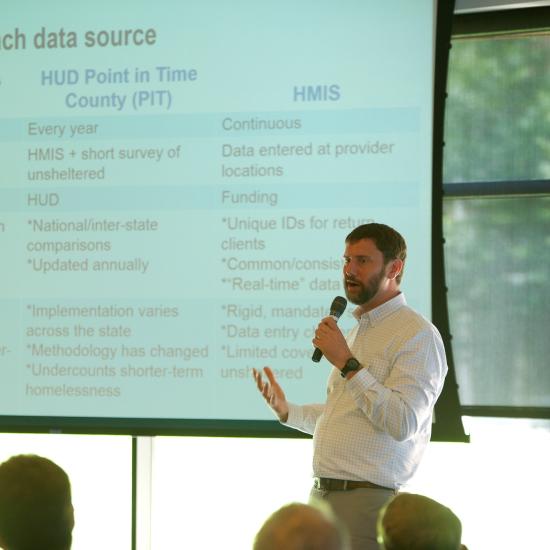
x=351, y=365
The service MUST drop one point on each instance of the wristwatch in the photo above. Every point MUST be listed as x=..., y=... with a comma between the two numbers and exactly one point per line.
x=351, y=366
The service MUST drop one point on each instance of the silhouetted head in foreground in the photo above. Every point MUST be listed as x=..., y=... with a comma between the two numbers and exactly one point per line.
x=302, y=527
x=36, y=511
x=416, y=522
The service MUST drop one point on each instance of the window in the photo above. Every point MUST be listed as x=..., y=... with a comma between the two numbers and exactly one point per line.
x=497, y=218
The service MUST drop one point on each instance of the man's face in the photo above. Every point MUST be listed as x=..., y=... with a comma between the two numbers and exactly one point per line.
x=364, y=271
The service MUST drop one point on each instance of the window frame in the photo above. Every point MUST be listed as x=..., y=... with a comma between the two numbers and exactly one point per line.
x=495, y=24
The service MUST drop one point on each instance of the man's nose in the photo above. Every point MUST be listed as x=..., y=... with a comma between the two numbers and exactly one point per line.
x=349, y=269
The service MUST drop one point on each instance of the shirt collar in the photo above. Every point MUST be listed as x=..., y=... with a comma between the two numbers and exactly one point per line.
x=379, y=313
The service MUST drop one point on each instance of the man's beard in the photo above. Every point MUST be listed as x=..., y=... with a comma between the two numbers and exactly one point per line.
x=361, y=294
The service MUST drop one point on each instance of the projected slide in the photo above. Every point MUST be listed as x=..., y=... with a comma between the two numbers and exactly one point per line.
x=177, y=181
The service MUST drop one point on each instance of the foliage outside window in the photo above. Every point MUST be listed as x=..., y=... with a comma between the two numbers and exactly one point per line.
x=497, y=251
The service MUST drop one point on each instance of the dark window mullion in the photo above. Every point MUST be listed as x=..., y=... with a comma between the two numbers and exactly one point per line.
x=496, y=188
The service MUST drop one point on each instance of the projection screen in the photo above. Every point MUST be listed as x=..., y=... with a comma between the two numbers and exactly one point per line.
x=177, y=183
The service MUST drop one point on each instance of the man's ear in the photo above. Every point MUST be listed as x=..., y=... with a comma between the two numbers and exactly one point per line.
x=70, y=515
x=395, y=268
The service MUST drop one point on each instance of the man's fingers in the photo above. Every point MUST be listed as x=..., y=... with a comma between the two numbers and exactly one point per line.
x=270, y=375
x=329, y=322
x=268, y=389
x=259, y=380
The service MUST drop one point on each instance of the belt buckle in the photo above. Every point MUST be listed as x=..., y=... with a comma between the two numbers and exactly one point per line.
x=329, y=484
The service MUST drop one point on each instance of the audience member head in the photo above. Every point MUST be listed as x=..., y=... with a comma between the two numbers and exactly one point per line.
x=416, y=522
x=36, y=511
x=302, y=527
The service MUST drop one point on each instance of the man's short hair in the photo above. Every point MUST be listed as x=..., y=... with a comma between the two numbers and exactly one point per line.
x=416, y=522
x=387, y=240
x=299, y=526
x=35, y=504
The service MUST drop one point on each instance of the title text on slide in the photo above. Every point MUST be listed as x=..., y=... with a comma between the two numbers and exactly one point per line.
x=140, y=99
x=71, y=77
x=53, y=39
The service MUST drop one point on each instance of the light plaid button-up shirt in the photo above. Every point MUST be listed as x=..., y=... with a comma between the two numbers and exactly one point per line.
x=375, y=426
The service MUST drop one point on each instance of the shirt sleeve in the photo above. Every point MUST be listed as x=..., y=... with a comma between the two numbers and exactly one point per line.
x=304, y=417
x=404, y=401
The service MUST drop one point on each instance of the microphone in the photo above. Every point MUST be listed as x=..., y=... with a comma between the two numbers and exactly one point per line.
x=336, y=309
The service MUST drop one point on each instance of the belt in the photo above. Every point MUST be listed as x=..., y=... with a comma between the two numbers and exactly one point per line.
x=330, y=484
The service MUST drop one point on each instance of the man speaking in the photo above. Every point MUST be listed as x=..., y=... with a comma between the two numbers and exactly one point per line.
x=370, y=434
